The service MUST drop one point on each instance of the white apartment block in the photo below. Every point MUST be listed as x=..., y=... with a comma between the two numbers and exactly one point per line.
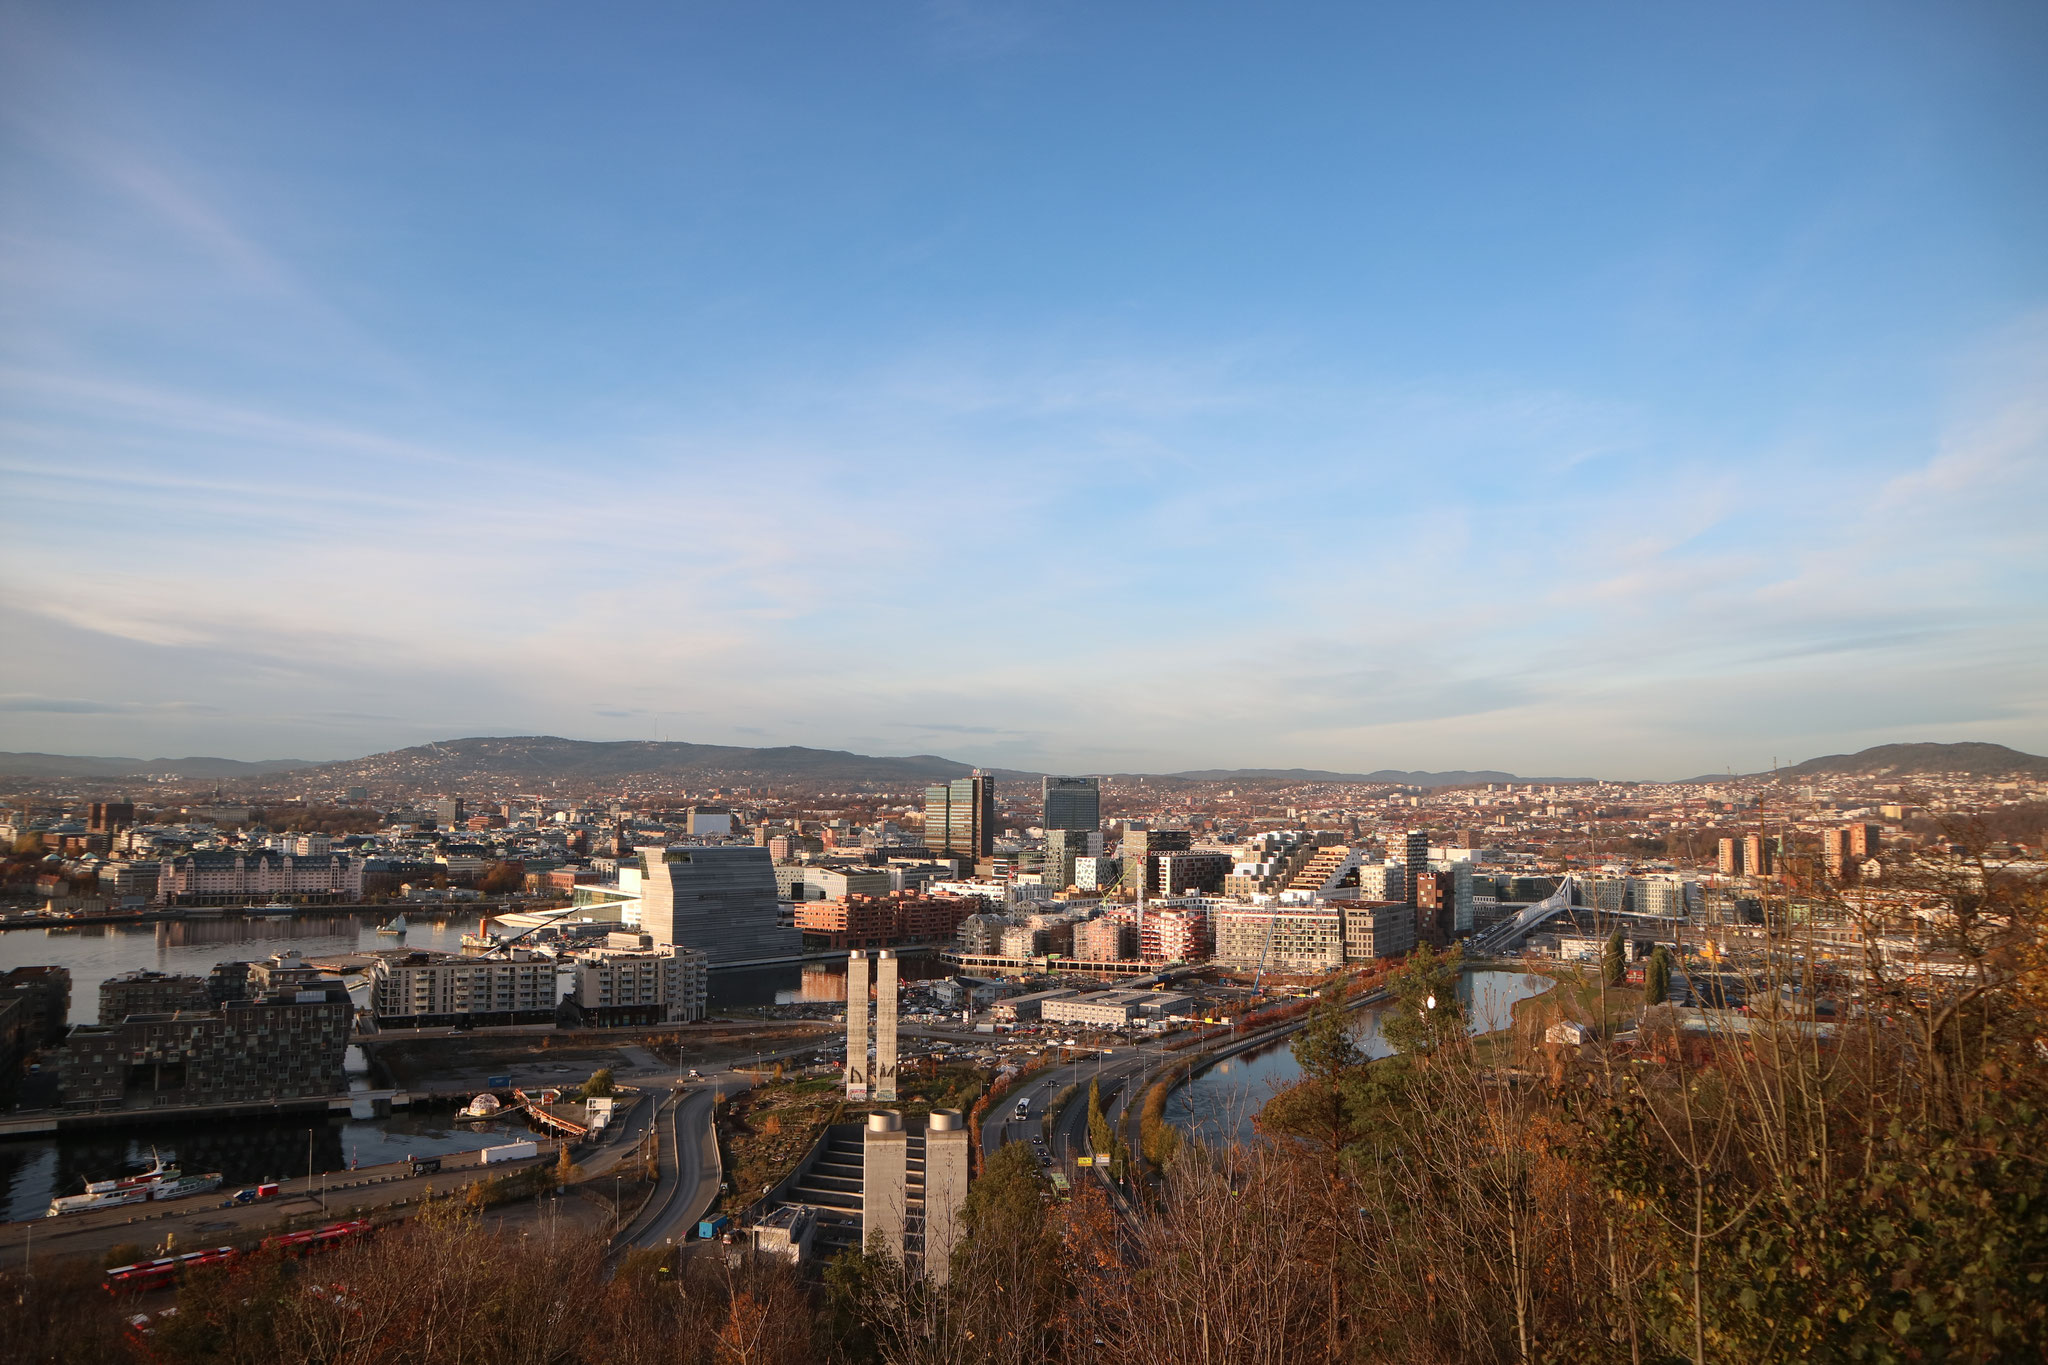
x=423, y=986
x=664, y=985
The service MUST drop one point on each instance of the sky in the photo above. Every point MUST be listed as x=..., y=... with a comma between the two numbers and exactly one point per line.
x=1612, y=390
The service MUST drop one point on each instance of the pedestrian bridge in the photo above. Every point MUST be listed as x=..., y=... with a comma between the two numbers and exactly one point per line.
x=1509, y=933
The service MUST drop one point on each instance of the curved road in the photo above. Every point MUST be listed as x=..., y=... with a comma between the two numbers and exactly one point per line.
x=690, y=1175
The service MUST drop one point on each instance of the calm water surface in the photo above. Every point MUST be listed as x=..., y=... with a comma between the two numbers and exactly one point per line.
x=34, y=1170
x=1221, y=1103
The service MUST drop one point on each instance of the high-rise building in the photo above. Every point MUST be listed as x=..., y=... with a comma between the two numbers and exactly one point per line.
x=1411, y=850
x=719, y=899
x=1072, y=803
x=1063, y=848
x=1730, y=863
x=960, y=817
x=1756, y=856
x=1865, y=841
x=109, y=817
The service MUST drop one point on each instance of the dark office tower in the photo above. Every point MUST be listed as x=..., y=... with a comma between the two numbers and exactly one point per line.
x=109, y=817
x=1073, y=803
x=960, y=817
x=1411, y=850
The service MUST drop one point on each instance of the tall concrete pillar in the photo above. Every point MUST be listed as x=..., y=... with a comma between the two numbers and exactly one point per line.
x=885, y=1025
x=885, y=1171
x=945, y=1190
x=857, y=1026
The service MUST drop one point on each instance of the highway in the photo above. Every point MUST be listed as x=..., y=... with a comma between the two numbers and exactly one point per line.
x=1125, y=1065
x=689, y=1179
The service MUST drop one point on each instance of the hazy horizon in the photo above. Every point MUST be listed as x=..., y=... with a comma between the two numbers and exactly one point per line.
x=1604, y=391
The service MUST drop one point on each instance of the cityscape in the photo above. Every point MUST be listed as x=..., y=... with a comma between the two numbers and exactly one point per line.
x=966, y=682
x=620, y=1007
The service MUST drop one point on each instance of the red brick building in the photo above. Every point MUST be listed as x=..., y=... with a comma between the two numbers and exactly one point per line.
x=881, y=921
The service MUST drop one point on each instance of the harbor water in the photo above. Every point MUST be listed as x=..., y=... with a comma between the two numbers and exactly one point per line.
x=34, y=1170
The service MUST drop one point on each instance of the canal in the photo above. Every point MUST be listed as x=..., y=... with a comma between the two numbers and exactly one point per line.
x=1222, y=1102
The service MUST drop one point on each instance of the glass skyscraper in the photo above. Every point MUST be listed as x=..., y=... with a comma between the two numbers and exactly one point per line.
x=960, y=817
x=1073, y=803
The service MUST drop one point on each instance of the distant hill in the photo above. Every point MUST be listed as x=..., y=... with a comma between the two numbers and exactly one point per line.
x=550, y=756
x=1972, y=759
x=1394, y=776
x=70, y=765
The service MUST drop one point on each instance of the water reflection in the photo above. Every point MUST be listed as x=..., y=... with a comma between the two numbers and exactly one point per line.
x=797, y=983
x=1222, y=1102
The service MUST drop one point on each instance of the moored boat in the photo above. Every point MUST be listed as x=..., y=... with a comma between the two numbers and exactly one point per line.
x=160, y=1181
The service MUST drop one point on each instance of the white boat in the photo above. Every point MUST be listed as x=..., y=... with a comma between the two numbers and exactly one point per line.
x=158, y=1182
x=184, y=1185
x=396, y=926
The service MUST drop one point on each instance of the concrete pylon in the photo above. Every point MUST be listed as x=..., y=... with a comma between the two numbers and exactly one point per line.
x=945, y=1190
x=857, y=1025
x=885, y=1025
x=884, y=1174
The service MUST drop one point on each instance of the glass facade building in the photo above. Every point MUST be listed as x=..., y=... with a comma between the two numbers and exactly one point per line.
x=1072, y=803
x=960, y=817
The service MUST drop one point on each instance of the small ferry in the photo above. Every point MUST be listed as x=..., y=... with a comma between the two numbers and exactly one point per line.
x=160, y=1181
x=395, y=926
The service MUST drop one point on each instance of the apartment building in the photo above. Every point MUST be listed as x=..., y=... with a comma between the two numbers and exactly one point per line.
x=223, y=878
x=431, y=990
x=286, y=1044
x=882, y=921
x=633, y=980
x=145, y=992
x=1296, y=939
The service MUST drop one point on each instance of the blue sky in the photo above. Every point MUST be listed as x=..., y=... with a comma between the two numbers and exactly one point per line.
x=1615, y=389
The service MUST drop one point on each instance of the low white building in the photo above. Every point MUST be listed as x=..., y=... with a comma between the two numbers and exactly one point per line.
x=1115, y=1009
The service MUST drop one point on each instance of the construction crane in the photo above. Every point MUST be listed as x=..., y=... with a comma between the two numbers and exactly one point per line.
x=1272, y=918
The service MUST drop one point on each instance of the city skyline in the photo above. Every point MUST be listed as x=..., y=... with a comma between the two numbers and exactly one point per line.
x=1605, y=393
